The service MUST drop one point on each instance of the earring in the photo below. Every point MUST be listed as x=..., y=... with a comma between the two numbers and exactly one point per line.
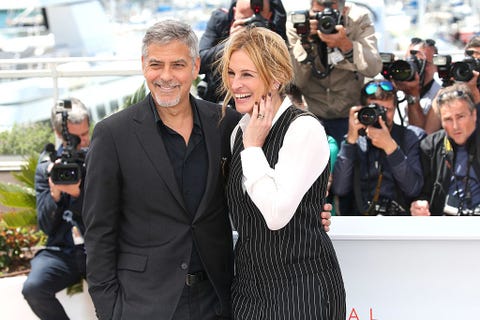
x=276, y=85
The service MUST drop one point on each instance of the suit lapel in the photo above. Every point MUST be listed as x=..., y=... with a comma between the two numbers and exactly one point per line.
x=152, y=144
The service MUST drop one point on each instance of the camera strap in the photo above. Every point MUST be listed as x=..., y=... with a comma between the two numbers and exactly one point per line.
x=371, y=209
x=450, y=160
x=322, y=51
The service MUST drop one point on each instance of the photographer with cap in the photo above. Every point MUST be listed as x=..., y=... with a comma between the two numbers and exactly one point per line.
x=333, y=47
x=379, y=161
x=59, y=204
x=260, y=13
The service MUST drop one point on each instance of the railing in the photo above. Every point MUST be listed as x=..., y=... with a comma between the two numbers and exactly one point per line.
x=55, y=68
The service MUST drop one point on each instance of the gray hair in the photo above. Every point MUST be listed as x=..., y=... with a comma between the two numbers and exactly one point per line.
x=457, y=91
x=166, y=31
x=341, y=3
x=76, y=115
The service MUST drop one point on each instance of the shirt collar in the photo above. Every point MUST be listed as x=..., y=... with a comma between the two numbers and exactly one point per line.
x=158, y=120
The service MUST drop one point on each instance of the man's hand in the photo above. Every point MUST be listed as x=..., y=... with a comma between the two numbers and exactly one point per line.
x=381, y=138
x=354, y=125
x=420, y=208
x=337, y=40
x=411, y=88
x=237, y=25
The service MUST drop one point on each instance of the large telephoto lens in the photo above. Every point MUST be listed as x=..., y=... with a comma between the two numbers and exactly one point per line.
x=461, y=71
x=402, y=70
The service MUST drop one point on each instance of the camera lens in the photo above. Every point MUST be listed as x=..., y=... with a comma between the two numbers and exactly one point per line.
x=402, y=70
x=461, y=71
x=367, y=116
x=68, y=175
x=326, y=25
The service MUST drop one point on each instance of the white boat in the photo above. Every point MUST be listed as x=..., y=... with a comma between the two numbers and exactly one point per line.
x=46, y=70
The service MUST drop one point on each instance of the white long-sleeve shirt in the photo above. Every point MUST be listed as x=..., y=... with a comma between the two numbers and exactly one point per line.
x=277, y=191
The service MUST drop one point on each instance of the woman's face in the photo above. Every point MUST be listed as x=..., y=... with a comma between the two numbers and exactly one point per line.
x=244, y=81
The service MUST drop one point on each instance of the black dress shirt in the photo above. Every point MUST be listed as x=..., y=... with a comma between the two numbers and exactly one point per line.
x=190, y=165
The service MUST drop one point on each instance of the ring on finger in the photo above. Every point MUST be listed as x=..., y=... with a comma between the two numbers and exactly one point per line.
x=260, y=116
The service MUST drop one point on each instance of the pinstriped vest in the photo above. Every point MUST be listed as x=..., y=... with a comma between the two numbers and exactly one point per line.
x=302, y=245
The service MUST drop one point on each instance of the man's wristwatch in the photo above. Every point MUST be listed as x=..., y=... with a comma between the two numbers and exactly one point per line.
x=411, y=99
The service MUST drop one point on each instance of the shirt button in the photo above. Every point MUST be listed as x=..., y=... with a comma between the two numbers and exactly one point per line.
x=184, y=266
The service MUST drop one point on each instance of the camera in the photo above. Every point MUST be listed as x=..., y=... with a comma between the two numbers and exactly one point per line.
x=463, y=70
x=443, y=62
x=257, y=20
x=301, y=22
x=454, y=207
x=71, y=167
x=459, y=71
x=385, y=207
x=369, y=115
x=405, y=70
x=328, y=19
x=387, y=60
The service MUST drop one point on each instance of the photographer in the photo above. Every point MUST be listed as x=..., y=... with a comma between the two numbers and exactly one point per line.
x=330, y=66
x=472, y=49
x=379, y=161
x=269, y=13
x=419, y=87
x=451, y=158
x=59, y=203
x=466, y=71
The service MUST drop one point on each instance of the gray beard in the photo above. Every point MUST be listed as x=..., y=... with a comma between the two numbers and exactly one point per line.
x=167, y=104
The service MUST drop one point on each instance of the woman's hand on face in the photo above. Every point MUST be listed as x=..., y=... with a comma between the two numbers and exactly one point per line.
x=260, y=123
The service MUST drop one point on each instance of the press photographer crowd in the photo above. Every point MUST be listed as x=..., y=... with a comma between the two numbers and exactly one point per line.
x=405, y=129
x=335, y=57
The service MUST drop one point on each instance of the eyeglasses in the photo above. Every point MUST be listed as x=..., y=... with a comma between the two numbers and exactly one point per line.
x=372, y=87
x=428, y=42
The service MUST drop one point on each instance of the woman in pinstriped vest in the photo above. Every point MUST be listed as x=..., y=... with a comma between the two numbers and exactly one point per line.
x=286, y=266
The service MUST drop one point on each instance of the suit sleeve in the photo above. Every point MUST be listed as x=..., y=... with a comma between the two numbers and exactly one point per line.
x=101, y=212
x=210, y=45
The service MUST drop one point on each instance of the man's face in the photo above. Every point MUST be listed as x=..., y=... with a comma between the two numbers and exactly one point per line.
x=473, y=52
x=389, y=106
x=82, y=130
x=243, y=10
x=169, y=71
x=458, y=121
x=425, y=53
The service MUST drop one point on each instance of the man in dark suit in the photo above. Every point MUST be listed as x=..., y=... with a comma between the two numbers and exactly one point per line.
x=158, y=238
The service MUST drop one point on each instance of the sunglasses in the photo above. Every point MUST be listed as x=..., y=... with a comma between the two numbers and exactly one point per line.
x=471, y=52
x=372, y=87
x=428, y=42
x=452, y=95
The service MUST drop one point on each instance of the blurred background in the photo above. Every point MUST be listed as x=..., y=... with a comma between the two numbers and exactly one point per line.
x=90, y=49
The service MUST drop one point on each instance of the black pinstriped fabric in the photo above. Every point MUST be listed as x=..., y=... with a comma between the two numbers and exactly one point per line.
x=292, y=273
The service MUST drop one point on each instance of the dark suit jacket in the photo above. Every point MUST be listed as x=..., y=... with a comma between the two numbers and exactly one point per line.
x=139, y=234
